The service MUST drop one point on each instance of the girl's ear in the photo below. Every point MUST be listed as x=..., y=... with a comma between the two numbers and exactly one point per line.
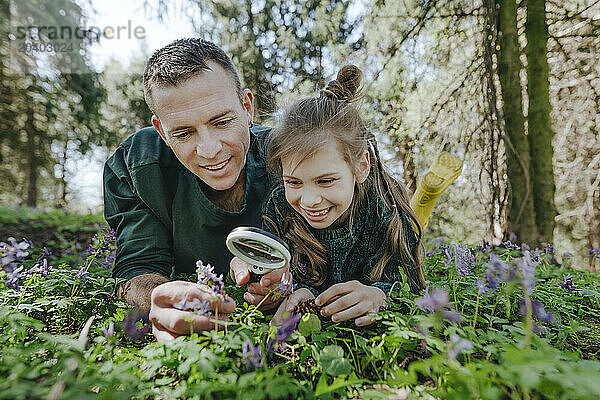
x=364, y=167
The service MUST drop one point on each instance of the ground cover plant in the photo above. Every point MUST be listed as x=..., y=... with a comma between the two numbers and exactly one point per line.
x=496, y=322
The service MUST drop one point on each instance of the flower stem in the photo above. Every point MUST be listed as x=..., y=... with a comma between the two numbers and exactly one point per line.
x=22, y=294
x=454, y=288
x=259, y=304
x=528, y=319
x=476, y=311
x=493, y=311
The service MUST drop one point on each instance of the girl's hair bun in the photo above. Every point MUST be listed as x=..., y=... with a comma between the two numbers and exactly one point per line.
x=347, y=85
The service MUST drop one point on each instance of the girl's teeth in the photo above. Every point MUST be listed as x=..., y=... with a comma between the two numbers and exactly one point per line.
x=316, y=214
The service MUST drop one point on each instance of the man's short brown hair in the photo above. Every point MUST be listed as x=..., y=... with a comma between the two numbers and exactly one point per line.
x=181, y=60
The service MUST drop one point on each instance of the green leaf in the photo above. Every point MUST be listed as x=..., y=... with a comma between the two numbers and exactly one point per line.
x=309, y=324
x=332, y=360
x=338, y=383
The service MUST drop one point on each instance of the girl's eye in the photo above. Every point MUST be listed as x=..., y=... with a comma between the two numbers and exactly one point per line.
x=326, y=181
x=291, y=182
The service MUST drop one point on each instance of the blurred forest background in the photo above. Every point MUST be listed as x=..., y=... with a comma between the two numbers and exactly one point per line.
x=512, y=88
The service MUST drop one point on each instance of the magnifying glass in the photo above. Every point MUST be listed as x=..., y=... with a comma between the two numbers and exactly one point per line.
x=261, y=249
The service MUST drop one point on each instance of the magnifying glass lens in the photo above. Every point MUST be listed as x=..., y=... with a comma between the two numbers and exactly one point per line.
x=259, y=251
x=262, y=250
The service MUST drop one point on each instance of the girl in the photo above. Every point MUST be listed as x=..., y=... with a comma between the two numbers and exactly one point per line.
x=348, y=222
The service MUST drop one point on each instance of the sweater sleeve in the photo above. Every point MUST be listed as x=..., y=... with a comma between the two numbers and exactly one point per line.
x=144, y=244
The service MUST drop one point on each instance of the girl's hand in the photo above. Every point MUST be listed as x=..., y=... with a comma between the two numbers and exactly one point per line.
x=288, y=304
x=349, y=300
x=239, y=271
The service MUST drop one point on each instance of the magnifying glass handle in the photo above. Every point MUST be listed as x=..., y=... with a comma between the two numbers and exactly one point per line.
x=254, y=277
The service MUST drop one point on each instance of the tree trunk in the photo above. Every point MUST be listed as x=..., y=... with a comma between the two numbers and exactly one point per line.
x=32, y=164
x=521, y=214
x=258, y=83
x=540, y=128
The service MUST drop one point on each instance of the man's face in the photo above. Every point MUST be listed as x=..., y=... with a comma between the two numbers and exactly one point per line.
x=206, y=125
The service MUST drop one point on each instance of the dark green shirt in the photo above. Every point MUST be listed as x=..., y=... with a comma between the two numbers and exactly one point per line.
x=163, y=220
x=351, y=255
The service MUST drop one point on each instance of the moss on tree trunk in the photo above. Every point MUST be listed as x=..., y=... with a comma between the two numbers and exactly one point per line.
x=540, y=128
x=521, y=214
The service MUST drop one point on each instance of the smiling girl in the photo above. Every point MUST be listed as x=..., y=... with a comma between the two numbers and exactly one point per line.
x=347, y=221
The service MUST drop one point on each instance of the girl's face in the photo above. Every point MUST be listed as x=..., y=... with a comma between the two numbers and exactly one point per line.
x=321, y=187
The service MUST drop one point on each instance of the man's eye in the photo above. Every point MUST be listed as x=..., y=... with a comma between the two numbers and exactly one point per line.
x=223, y=122
x=181, y=134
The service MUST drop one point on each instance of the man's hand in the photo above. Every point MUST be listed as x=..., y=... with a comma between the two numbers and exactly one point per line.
x=269, y=283
x=169, y=322
x=349, y=300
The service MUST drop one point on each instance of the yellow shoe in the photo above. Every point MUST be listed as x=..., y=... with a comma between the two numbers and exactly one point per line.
x=441, y=174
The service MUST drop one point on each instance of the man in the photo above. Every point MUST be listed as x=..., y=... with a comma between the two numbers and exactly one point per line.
x=173, y=192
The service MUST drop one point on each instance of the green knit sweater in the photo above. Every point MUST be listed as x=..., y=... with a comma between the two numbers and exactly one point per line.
x=351, y=255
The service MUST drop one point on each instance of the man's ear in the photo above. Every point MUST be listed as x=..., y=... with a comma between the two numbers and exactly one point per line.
x=159, y=129
x=248, y=104
x=364, y=167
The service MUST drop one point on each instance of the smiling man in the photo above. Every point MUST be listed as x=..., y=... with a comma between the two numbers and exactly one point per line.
x=173, y=192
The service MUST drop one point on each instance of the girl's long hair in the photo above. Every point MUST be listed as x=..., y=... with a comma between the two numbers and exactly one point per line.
x=309, y=125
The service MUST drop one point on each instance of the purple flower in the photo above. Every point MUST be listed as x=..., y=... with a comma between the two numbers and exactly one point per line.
x=206, y=274
x=536, y=256
x=287, y=283
x=548, y=247
x=108, y=261
x=463, y=257
x=594, y=253
x=252, y=355
x=81, y=275
x=567, y=282
x=485, y=247
x=136, y=324
x=429, y=302
x=287, y=328
x=482, y=287
x=510, y=245
x=538, y=311
x=452, y=316
x=299, y=267
x=44, y=269
x=497, y=271
x=102, y=241
x=202, y=306
x=108, y=331
x=512, y=237
x=538, y=329
x=526, y=267
x=12, y=278
x=13, y=251
x=457, y=345
x=433, y=245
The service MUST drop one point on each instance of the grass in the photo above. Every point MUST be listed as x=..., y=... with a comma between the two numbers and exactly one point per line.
x=493, y=352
